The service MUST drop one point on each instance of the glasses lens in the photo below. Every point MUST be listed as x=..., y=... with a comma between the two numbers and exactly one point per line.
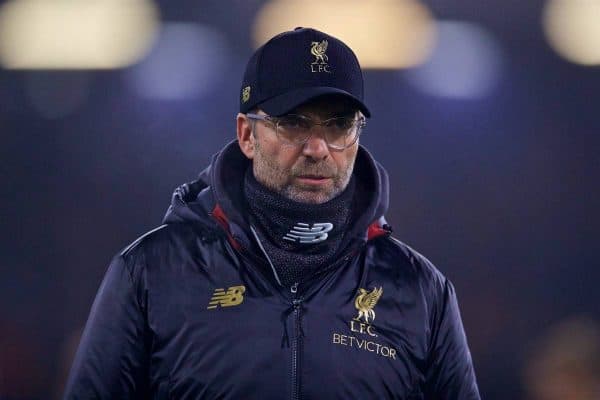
x=341, y=132
x=339, y=123
x=294, y=128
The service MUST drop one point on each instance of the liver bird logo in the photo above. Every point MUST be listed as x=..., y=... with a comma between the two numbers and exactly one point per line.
x=318, y=50
x=365, y=302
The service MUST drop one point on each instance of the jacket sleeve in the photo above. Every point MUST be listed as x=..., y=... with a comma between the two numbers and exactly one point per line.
x=111, y=361
x=450, y=374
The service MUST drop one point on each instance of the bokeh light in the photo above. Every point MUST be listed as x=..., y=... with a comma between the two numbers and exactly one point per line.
x=57, y=94
x=572, y=28
x=465, y=63
x=383, y=34
x=66, y=34
x=185, y=62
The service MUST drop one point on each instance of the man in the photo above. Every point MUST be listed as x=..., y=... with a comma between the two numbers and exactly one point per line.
x=275, y=275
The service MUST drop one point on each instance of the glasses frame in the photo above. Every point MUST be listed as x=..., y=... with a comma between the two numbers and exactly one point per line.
x=360, y=123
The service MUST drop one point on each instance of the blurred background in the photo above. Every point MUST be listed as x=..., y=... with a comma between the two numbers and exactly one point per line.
x=485, y=113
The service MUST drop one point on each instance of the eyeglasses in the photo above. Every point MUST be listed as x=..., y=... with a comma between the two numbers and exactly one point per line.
x=292, y=129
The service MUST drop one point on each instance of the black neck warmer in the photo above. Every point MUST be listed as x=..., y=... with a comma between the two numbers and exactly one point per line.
x=298, y=238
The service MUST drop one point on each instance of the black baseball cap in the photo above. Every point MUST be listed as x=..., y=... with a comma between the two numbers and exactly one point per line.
x=297, y=66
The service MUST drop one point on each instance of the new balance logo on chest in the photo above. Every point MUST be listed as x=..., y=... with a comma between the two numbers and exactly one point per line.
x=232, y=297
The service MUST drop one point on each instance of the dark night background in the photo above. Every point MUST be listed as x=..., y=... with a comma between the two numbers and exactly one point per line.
x=500, y=192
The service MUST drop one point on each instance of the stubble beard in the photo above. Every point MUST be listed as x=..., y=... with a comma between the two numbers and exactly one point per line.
x=273, y=176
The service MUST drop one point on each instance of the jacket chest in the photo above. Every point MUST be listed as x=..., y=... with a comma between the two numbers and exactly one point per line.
x=328, y=346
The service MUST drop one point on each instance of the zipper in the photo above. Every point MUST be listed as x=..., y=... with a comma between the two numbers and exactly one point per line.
x=296, y=343
x=267, y=256
x=251, y=260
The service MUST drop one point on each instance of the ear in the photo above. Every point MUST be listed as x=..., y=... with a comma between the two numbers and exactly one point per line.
x=245, y=136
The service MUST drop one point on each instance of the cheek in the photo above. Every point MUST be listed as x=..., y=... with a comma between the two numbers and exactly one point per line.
x=287, y=159
x=273, y=163
x=345, y=162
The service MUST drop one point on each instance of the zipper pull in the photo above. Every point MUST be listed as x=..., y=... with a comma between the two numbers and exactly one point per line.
x=294, y=288
x=388, y=229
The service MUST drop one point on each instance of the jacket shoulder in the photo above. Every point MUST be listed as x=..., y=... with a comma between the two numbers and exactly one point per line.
x=172, y=244
x=133, y=256
x=141, y=241
x=170, y=234
x=407, y=263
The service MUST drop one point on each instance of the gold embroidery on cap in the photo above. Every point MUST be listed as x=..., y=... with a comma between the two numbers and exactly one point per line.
x=318, y=50
x=246, y=94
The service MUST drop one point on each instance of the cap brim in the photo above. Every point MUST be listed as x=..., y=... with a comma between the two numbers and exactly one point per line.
x=284, y=103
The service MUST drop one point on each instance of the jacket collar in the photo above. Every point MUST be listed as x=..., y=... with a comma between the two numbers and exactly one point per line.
x=218, y=192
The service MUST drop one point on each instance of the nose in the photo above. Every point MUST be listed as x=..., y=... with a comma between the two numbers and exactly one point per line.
x=316, y=146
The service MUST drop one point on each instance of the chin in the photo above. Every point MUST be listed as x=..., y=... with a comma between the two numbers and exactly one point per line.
x=310, y=197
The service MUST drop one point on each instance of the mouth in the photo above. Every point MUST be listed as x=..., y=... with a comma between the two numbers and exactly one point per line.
x=313, y=179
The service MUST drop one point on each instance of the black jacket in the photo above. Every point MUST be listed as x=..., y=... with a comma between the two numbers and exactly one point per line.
x=191, y=310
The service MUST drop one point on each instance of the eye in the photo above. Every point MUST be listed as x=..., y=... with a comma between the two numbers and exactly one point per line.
x=345, y=123
x=340, y=123
x=293, y=122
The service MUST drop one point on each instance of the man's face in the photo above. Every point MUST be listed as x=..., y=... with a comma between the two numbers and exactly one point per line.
x=309, y=173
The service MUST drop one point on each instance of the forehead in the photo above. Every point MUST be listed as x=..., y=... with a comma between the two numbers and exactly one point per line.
x=327, y=106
